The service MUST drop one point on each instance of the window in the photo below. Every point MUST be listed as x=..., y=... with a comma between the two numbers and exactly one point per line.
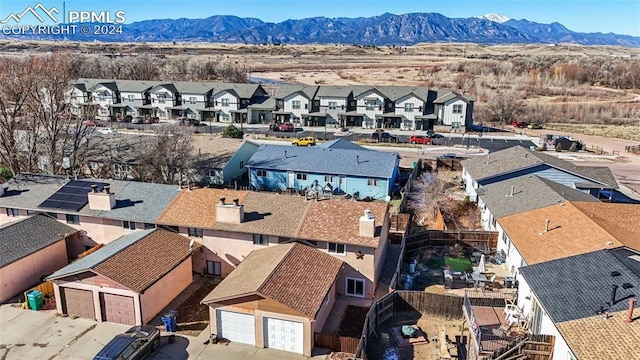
x=131, y=225
x=504, y=237
x=408, y=107
x=195, y=232
x=192, y=100
x=261, y=173
x=30, y=212
x=260, y=239
x=373, y=182
x=131, y=98
x=339, y=249
x=148, y=226
x=73, y=219
x=370, y=104
x=457, y=109
x=355, y=287
x=101, y=97
x=13, y=212
x=333, y=105
x=242, y=164
x=295, y=104
x=313, y=242
x=161, y=98
x=330, y=178
x=214, y=268
x=493, y=222
x=301, y=176
x=224, y=102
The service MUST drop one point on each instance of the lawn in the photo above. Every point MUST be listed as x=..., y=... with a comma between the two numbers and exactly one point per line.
x=458, y=263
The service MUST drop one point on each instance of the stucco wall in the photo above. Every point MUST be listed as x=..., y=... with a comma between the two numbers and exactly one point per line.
x=160, y=294
x=26, y=272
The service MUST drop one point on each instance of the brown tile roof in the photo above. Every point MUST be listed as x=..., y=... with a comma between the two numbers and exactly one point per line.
x=270, y=214
x=146, y=261
x=571, y=232
x=338, y=221
x=295, y=275
x=593, y=338
x=197, y=208
x=619, y=220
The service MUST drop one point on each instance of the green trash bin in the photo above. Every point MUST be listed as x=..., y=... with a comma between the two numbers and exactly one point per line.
x=35, y=300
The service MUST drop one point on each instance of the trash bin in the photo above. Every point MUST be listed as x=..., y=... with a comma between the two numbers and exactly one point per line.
x=169, y=320
x=35, y=300
x=508, y=282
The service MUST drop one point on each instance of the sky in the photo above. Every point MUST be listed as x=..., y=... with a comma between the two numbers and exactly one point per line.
x=617, y=16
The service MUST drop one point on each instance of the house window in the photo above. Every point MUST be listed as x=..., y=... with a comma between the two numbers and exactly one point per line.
x=408, y=107
x=457, y=109
x=30, y=212
x=260, y=239
x=194, y=232
x=242, y=164
x=148, y=226
x=301, y=176
x=338, y=249
x=504, y=237
x=224, y=102
x=161, y=98
x=373, y=182
x=313, y=242
x=355, y=287
x=73, y=219
x=333, y=105
x=131, y=98
x=192, y=100
x=214, y=268
x=370, y=104
x=493, y=222
x=295, y=104
x=131, y=225
x=13, y=212
x=330, y=178
x=261, y=173
x=102, y=97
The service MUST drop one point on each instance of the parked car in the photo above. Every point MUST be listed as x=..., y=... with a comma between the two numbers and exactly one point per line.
x=419, y=139
x=519, y=124
x=534, y=126
x=304, y=141
x=382, y=136
x=448, y=156
x=107, y=131
x=189, y=122
x=136, y=343
x=286, y=126
x=152, y=120
x=90, y=123
x=137, y=120
x=433, y=135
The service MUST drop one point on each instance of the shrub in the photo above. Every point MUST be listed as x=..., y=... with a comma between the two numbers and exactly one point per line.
x=232, y=132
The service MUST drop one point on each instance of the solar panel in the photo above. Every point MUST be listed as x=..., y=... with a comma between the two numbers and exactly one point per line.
x=72, y=196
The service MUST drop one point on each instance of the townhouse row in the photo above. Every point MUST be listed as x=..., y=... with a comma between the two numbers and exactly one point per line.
x=400, y=107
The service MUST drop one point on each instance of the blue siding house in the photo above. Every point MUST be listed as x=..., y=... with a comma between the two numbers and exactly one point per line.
x=342, y=171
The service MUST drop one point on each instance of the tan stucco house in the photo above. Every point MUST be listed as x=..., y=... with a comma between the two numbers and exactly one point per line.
x=278, y=297
x=128, y=281
x=32, y=248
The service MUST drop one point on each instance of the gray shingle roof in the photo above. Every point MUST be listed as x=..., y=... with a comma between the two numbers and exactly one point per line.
x=396, y=92
x=320, y=160
x=109, y=84
x=517, y=158
x=27, y=191
x=188, y=87
x=285, y=90
x=575, y=287
x=341, y=144
x=334, y=91
x=164, y=86
x=445, y=95
x=103, y=254
x=244, y=91
x=134, y=85
x=22, y=238
x=530, y=192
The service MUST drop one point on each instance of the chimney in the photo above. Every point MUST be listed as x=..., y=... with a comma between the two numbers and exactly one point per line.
x=513, y=189
x=105, y=200
x=546, y=225
x=367, y=226
x=614, y=289
x=632, y=304
x=230, y=213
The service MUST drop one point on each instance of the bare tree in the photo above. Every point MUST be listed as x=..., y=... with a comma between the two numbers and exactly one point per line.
x=505, y=108
x=430, y=192
x=166, y=156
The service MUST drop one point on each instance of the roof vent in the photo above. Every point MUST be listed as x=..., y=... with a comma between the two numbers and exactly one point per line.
x=627, y=286
x=615, y=273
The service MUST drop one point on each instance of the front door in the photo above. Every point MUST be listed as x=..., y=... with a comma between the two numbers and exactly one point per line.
x=291, y=180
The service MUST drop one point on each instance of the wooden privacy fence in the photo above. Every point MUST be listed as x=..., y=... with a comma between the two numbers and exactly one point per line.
x=336, y=342
x=380, y=312
x=477, y=239
x=436, y=304
x=90, y=251
x=46, y=288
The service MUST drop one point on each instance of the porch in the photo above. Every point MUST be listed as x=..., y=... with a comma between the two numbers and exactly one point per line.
x=351, y=119
x=332, y=325
x=390, y=121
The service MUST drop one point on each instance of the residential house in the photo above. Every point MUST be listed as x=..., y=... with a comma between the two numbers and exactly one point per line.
x=261, y=110
x=134, y=98
x=371, y=103
x=454, y=109
x=196, y=100
x=331, y=101
x=104, y=95
x=278, y=297
x=128, y=281
x=232, y=100
x=78, y=96
x=517, y=161
x=231, y=169
x=587, y=302
x=293, y=102
x=32, y=247
x=164, y=98
x=365, y=172
x=403, y=105
x=230, y=230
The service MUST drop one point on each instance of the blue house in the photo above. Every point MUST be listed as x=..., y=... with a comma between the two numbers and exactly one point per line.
x=341, y=171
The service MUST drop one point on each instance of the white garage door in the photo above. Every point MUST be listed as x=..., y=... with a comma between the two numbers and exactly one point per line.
x=284, y=335
x=236, y=327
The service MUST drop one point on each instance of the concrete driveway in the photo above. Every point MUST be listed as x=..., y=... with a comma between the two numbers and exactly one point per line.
x=26, y=334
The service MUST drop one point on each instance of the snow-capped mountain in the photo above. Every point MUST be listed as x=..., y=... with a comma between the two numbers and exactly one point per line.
x=494, y=17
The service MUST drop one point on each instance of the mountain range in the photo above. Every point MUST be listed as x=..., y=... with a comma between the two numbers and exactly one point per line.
x=385, y=29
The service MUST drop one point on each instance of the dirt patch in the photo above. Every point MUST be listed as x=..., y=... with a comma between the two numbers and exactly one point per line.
x=353, y=321
x=193, y=317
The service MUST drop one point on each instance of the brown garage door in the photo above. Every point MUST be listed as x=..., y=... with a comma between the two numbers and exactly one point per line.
x=118, y=309
x=79, y=303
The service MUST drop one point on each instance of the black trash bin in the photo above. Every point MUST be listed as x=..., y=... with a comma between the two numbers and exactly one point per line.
x=169, y=320
x=508, y=282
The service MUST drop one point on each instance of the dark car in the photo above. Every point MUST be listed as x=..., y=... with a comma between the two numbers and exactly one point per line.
x=448, y=156
x=434, y=135
x=381, y=136
x=136, y=343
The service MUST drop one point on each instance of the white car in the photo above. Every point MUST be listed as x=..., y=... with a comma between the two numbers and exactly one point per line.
x=107, y=131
